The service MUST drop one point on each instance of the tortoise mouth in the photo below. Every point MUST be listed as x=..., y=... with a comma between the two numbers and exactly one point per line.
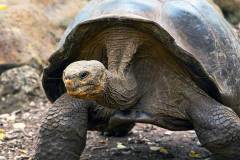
x=83, y=91
x=86, y=88
x=78, y=88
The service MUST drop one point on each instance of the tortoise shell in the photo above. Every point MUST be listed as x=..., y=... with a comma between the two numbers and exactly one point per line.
x=193, y=31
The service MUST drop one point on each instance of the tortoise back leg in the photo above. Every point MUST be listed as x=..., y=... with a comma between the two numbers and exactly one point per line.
x=217, y=127
x=119, y=129
x=62, y=135
x=100, y=120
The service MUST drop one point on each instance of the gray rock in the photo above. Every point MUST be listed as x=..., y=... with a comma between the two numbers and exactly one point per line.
x=19, y=87
x=3, y=158
x=231, y=9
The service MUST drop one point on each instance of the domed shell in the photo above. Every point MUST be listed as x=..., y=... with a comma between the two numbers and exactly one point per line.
x=193, y=30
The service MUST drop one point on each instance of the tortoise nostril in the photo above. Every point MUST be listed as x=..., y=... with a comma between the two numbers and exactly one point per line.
x=83, y=75
x=68, y=82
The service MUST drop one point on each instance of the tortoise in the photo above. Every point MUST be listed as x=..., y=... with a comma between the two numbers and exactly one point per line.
x=170, y=63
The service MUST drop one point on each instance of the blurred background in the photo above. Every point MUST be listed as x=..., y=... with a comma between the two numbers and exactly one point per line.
x=29, y=32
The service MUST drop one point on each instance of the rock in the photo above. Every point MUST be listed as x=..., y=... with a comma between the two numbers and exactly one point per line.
x=168, y=133
x=19, y=87
x=231, y=9
x=3, y=158
x=26, y=116
x=154, y=148
x=23, y=31
x=59, y=12
x=19, y=126
x=4, y=116
x=22, y=157
x=120, y=146
x=30, y=29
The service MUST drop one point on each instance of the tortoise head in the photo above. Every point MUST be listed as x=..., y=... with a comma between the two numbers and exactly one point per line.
x=85, y=79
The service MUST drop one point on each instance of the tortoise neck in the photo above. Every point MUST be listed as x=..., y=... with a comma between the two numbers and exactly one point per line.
x=119, y=93
x=121, y=44
x=121, y=90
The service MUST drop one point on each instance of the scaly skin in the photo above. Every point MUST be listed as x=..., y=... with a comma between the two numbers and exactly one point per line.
x=217, y=127
x=62, y=135
x=63, y=132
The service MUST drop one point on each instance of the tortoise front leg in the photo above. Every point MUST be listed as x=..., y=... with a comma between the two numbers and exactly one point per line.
x=217, y=127
x=62, y=135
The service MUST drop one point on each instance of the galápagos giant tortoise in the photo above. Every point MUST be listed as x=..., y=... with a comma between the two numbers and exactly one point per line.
x=171, y=63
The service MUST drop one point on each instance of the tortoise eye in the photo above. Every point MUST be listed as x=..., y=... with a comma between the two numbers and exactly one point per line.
x=83, y=75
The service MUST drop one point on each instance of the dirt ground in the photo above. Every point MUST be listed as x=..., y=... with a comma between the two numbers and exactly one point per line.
x=145, y=142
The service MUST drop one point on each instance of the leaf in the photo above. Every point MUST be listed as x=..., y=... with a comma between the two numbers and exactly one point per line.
x=163, y=150
x=120, y=146
x=22, y=151
x=160, y=149
x=2, y=134
x=3, y=7
x=194, y=154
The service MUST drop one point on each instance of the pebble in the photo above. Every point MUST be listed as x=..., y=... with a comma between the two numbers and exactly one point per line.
x=22, y=157
x=168, y=133
x=192, y=132
x=3, y=99
x=151, y=143
x=32, y=104
x=154, y=148
x=120, y=146
x=26, y=115
x=4, y=116
x=3, y=158
x=198, y=143
x=11, y=118
x=19, y=126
